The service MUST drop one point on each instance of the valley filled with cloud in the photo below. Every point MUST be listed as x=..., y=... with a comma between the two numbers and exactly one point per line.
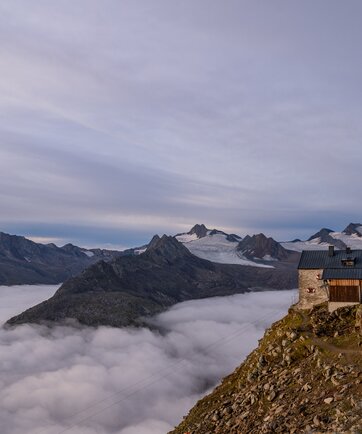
x=83, y=380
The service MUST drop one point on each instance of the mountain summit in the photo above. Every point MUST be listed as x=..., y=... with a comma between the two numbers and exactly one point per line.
x=199, y=230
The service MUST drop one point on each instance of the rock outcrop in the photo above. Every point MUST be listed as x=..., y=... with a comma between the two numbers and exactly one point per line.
x=304, y=377
x=121, y=291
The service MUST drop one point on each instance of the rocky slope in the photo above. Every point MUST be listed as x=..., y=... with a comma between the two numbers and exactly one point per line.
x=23, y=261
x=304, y=377
x=119, y=292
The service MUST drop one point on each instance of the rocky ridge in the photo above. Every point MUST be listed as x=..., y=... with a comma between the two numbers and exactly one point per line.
x=304, y=377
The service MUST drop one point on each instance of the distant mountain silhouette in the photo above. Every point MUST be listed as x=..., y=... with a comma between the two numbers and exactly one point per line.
x=23, y=261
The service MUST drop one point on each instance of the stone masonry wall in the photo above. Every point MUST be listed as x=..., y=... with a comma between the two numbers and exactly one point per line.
x=310, y=291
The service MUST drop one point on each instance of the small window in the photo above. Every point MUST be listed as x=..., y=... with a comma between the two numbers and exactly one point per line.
x=348, y=262
x=311, y=290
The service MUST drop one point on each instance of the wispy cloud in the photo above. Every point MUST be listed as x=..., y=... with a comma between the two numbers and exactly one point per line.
x=244, y=116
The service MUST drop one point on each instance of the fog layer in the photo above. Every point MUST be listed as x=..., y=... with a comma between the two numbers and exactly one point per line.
x=124, y=381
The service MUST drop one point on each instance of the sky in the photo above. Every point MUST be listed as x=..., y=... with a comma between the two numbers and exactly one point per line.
x=122, y=119
x=123, y=381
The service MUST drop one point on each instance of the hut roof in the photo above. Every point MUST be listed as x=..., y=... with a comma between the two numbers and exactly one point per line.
x=338, y=264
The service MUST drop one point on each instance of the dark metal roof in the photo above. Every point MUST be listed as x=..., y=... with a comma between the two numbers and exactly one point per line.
x=342, y=273
x=320, y=259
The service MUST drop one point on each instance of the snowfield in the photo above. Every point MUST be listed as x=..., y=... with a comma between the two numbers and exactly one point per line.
x=216, y=248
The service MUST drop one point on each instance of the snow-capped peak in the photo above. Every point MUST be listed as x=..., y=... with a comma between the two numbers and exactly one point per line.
x=215, y=246
x=351, y=236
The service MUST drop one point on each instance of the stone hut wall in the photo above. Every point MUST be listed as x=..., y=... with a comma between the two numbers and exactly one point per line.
x=310, y=291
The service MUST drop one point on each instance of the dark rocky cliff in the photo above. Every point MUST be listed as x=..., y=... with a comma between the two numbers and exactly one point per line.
x=304, y=377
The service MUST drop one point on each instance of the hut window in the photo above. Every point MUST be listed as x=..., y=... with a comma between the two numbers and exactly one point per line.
x=311, y=290
x=348, y=262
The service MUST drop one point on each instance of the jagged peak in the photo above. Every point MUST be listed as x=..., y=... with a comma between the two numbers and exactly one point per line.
x=257, y=238
x=153, y=241
x=320, y=233
x=200, y=230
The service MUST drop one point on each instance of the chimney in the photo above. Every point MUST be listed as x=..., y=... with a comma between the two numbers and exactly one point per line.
x=331, y=251
x=348, y=250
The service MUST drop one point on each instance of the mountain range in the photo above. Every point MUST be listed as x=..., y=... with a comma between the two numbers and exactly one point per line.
x=120, y=292
x=351, y=236
x=23, y=261
x=295, y=381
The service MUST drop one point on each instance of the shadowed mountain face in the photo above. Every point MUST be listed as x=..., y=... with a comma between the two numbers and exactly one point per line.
x=261, y=247
x=119, y=292
x=23, y=261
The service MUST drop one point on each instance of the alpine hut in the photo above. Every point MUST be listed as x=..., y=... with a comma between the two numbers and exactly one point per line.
x=330, y=275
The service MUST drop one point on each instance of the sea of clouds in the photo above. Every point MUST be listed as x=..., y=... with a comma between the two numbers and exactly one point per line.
x=123, y=381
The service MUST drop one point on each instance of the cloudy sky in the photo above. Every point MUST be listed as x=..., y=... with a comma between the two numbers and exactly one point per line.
x=121, y=119
x=123, y=381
